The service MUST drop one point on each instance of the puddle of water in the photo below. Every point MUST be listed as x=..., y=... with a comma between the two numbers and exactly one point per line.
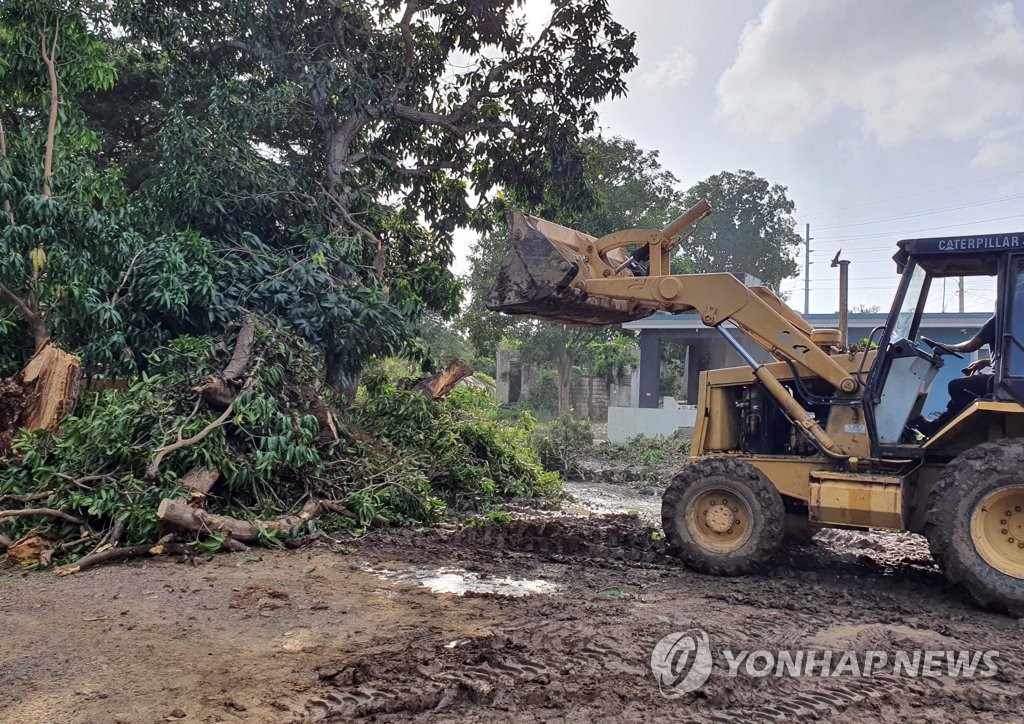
x=460, y=582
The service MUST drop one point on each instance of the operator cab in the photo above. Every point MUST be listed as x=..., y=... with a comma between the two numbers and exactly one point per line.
x=907, y=363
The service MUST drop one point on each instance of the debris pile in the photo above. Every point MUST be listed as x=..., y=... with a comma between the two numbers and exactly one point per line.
x=227, y=443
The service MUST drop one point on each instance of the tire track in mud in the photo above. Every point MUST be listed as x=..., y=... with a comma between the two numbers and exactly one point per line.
x=493, y=670
x=561, y=655
x=486, y=671
x=615, y=537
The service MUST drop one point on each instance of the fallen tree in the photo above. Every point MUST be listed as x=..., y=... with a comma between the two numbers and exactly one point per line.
x=277, y=461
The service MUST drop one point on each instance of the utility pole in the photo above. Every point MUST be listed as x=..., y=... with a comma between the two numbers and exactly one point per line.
x=807, y=269
x=844, y=295
x=961, y=280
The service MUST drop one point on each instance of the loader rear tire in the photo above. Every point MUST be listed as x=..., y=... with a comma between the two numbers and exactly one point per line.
x=975, y=524
x=723, y=516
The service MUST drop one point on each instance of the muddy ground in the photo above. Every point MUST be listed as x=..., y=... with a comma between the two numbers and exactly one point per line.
x=568, y=609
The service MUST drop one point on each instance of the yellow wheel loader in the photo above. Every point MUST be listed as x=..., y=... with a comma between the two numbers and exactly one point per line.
x=823, y=434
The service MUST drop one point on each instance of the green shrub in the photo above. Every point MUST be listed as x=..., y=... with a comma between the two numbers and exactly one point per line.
x=654, y=457
x=560, y=443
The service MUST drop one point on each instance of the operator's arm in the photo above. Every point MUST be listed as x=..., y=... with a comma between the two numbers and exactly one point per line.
x=971, y=345
x=985, y=335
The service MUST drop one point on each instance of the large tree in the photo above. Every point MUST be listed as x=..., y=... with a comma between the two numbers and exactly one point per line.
x=73, y=267
x=752, y=228
x=332, y=148
x=630, y=189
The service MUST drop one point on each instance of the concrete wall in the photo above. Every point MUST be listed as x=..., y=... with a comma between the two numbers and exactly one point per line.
x=625, y=423
x=589, y=398
x=513, y=379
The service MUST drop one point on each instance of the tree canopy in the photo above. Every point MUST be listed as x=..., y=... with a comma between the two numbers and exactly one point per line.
x=751, y=230
x=307, y=162
x=79, y=264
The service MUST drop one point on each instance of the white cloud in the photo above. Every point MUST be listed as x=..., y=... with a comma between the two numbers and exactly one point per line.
x=673, y=71
x=997, y=155
x=951, y=69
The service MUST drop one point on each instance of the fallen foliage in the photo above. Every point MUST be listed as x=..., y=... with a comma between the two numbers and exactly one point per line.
x=238, y=452
x=562, y=442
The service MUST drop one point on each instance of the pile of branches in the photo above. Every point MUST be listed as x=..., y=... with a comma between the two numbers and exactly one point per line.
x=232, y=442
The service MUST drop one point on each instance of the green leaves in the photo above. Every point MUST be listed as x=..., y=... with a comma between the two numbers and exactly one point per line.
x=472, y=457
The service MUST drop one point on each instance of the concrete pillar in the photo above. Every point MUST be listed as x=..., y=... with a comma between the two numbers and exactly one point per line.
x=696, y=358
x=650, y=367
x=503, y=377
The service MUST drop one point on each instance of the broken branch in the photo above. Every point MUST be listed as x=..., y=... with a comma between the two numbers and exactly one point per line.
x=81, y=482
x=27, y=497
x=42, y=513
x=26, y=311
x=5, y=206
x=243, y=352
x=439, y=385
x=166, y=546
x=124, y=280
x=161, y=453
x=179, y=513
x=51, y=129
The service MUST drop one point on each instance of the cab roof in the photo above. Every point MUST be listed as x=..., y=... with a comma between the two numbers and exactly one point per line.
x=974, y=255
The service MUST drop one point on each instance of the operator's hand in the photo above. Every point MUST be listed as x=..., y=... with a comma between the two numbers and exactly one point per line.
x=976, y=366
x=945, y=347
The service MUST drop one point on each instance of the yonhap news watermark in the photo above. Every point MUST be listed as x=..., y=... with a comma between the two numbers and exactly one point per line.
x=682, y=662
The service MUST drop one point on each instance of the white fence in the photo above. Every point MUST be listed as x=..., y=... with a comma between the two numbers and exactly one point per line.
x=625, y=423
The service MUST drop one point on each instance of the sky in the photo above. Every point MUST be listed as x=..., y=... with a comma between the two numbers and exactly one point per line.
x=886, y=119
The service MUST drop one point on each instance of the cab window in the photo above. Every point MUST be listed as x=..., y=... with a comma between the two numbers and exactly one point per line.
x=1013, y=328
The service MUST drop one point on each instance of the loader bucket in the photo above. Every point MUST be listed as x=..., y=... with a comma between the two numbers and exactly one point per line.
x=542, y=277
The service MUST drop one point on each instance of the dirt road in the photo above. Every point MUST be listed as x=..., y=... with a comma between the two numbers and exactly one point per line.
x=563, y=630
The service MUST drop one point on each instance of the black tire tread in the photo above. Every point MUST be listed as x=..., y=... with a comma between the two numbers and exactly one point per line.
x=950, y=546
x=766, y=497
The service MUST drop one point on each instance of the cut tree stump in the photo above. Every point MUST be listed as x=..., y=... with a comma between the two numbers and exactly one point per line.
x=200, y=480
x=439, y=385
x=40, y=395
x=52, y=375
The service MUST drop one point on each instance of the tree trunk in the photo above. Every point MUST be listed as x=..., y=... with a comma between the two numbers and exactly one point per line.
x=438, y=385
x=40, y=396
x=564, y=363
x=179, y=513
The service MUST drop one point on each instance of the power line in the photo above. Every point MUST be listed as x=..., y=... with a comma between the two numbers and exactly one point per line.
x=914, y=195
x=842, y=239
x=925, y=213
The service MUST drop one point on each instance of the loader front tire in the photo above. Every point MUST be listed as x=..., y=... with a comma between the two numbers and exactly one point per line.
x=723, y=517
x=975, y=524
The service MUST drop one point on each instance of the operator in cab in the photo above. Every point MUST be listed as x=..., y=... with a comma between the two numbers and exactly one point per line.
x=965, y=390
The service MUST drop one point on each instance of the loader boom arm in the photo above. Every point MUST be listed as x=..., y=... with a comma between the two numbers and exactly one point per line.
x=722, y=297
x=564, y=275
